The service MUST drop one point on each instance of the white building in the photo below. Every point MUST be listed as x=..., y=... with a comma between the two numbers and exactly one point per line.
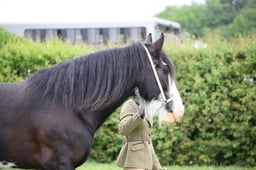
x=94, y=32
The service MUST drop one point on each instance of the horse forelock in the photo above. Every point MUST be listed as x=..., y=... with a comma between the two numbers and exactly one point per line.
x=90, y=82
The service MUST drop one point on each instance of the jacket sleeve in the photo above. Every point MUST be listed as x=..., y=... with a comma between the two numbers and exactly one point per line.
x=129, y=118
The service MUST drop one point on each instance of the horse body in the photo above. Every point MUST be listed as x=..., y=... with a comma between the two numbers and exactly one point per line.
x=13, y=115
x=32, y=146
x=48, y=121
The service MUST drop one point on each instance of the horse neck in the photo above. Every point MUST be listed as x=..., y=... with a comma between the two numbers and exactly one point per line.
x=98, y=117
x=113, y=83
x=94, y=119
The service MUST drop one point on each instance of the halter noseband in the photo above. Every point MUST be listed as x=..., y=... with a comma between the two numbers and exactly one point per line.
x=157, y=78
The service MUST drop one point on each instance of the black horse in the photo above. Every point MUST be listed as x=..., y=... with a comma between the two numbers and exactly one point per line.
x=48, y=121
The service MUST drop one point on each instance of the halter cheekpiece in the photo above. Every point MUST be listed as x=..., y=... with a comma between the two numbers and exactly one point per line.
x=157, y=78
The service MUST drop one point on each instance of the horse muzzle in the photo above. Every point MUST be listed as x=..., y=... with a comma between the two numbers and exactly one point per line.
x=174, y=114
x=168, y=106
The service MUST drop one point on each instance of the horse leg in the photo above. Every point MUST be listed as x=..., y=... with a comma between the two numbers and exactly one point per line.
x=63, y=162
x=54, y=158
x=66, y=165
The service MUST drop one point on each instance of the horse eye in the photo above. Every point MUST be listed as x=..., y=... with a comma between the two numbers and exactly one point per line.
x=165, y=69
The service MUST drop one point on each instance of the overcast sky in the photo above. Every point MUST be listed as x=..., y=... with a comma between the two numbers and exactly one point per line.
x=86, y=10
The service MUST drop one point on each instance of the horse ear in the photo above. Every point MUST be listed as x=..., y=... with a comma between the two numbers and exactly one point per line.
x=149, y=38
x=156, y=47
x=159, y=43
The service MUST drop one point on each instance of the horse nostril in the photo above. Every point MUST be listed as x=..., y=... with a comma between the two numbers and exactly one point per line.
x=168, y=106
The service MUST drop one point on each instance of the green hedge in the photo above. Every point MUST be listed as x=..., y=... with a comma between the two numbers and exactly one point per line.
x=217, y=85
x=20, y=57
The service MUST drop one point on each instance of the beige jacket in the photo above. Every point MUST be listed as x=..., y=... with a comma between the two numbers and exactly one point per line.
x=137, y=150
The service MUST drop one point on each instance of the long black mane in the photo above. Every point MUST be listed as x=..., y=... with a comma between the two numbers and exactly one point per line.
x=90, y=81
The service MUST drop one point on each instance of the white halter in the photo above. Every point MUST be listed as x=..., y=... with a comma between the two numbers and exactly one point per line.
x=156, y=77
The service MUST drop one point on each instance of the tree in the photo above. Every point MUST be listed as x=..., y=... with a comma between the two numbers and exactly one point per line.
x=231, y=16
x=219, y=14
x=192, y=18
x=244, y=21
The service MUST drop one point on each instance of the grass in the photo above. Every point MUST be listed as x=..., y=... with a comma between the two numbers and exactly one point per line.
x=100, y=166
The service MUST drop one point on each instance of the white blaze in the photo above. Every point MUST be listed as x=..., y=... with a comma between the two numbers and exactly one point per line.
x=177, y=105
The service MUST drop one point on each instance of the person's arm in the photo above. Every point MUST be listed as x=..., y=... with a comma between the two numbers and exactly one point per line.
x=130, y=118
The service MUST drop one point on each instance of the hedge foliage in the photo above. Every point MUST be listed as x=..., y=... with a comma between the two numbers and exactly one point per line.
x=20, y=57
x=217, y=85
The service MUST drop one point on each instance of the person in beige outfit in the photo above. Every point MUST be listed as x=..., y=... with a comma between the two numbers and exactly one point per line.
x=137, y=152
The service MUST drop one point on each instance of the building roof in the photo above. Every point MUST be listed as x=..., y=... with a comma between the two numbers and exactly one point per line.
x=94, y=24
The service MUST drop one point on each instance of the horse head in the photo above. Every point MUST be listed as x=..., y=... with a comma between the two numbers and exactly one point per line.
x=157, y=91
